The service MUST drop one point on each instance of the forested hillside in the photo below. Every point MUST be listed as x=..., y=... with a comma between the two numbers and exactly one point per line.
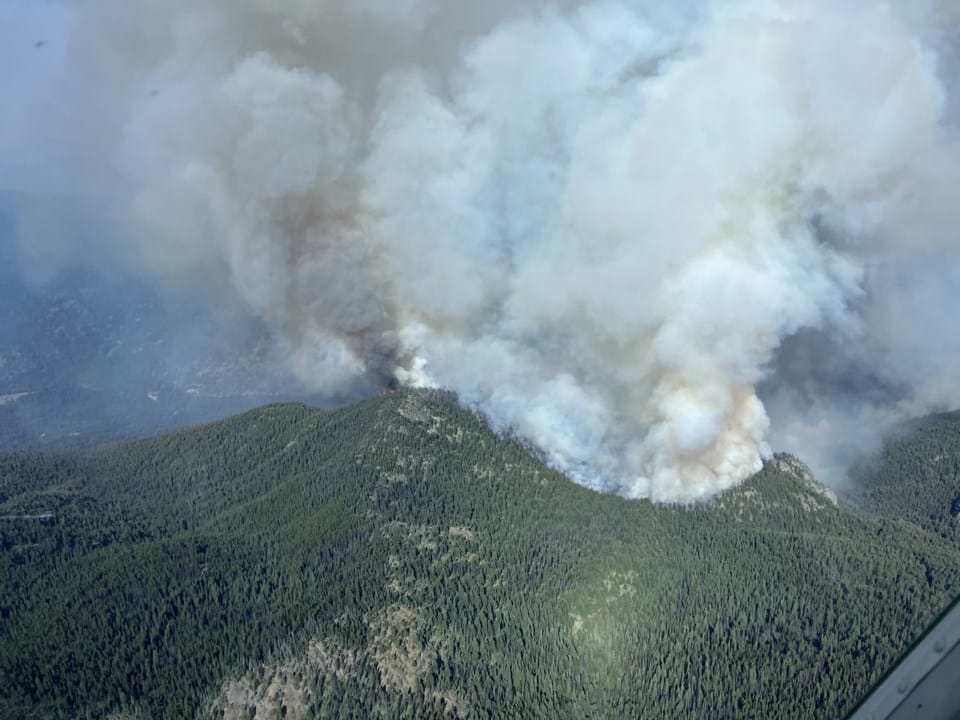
x=916, y=477
x=395, y=558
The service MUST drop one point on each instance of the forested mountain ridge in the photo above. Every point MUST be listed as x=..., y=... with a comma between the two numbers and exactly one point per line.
x=916, y=476
x=396, y=558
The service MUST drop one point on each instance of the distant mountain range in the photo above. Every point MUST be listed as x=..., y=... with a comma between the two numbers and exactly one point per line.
x=395, y=558
x=87, y=359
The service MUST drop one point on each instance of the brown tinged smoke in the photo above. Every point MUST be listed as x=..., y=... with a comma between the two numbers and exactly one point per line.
x=648, y=240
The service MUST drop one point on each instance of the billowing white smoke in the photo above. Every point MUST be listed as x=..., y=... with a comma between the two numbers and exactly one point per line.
x=599, y=223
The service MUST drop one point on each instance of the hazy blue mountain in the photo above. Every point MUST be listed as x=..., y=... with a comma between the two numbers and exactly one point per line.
x=86, y=358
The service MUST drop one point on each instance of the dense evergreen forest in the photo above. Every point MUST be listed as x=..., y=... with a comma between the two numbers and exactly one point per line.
x=397, y=559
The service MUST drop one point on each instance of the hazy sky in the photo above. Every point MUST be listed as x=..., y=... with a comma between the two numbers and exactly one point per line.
x=39, y=97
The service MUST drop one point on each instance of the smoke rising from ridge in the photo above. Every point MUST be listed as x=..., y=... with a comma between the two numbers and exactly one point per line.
x=647, y=240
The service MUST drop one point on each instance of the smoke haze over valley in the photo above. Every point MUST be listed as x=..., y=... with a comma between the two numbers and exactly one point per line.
x=655, y=240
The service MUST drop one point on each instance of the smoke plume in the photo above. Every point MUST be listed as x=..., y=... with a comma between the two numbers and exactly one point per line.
x=647, y=237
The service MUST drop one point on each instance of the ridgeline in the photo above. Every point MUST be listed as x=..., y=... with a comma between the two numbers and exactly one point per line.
x=396, y=558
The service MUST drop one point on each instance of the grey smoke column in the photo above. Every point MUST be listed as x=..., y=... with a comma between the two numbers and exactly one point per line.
x=597, y=222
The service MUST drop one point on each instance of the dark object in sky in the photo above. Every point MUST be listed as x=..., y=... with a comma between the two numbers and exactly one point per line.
x=924, y=684
x=40, y=43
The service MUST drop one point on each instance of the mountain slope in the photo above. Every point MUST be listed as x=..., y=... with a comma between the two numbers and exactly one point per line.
x=395, y=558
x=916, y=477
x=89, y=357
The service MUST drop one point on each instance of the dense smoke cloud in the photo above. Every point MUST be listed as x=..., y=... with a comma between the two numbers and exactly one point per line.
x=607, y=225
